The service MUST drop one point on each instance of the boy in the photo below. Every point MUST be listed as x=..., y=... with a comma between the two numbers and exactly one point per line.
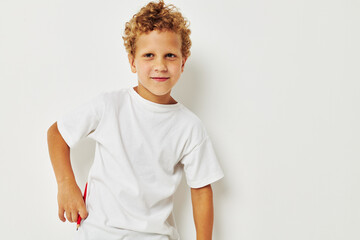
x=144, y=139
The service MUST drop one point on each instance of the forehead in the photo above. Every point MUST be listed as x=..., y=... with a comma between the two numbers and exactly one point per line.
x=158, y=41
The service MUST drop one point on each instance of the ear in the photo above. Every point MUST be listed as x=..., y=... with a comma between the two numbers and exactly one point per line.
x=183, y=64
x=132, y=63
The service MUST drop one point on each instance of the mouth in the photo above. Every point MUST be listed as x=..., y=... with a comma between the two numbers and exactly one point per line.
x=160, y=79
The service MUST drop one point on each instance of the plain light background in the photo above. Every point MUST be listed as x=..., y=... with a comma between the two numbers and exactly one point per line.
x=276, y=84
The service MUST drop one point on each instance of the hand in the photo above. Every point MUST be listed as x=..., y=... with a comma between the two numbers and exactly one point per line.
x=70, y=201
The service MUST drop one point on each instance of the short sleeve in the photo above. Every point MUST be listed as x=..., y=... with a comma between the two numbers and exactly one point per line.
x=82, y=120
x=201, y=165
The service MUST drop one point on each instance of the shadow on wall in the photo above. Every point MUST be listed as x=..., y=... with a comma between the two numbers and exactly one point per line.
x=82, y=158
x=188, y=90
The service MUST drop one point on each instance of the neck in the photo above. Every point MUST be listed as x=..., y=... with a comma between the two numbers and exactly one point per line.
x=163, y=99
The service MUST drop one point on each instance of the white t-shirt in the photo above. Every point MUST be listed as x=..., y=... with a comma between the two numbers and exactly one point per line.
x=141, y=149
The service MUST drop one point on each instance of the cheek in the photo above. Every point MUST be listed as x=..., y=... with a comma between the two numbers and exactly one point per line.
x=177, y=68
x=174, y=66
x=143, y=68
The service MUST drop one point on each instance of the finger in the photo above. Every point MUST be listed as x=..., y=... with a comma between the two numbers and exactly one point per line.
x=61, y=214
x=68, y=216
x=74, y=215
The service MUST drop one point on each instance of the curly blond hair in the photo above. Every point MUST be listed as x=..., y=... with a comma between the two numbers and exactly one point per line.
x=157, y=16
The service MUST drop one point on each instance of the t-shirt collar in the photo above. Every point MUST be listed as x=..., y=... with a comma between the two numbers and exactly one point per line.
x=157, y=107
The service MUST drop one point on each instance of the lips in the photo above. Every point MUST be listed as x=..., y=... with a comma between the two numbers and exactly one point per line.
x=160, y=79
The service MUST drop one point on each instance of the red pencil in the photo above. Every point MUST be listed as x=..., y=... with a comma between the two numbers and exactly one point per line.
x=79, y=218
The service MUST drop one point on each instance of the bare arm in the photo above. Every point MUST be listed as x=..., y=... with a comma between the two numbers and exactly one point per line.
x=202, y=202
x=70, y=199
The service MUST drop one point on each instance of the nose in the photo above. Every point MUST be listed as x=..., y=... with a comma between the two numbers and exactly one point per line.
x=160, y=65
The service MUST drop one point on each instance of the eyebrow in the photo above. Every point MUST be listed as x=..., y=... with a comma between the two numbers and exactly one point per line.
x=172, y=50
x=151, y=52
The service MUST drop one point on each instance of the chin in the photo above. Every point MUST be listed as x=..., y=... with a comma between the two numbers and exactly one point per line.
x=156, y=90
x=160, y=93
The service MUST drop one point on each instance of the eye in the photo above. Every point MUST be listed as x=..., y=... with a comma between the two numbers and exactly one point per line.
x=148, y=55
x=170, y=55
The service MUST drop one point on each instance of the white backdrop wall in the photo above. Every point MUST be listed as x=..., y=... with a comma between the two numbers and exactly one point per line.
x=276, y=83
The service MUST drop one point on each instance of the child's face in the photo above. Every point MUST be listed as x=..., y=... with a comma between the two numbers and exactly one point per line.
x=158, y=61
